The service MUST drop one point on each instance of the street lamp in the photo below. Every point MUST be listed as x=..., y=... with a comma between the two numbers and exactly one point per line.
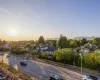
x=81, y=63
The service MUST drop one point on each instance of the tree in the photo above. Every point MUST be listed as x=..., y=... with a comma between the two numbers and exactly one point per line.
x=96, y=41
x=62, y=42
x=92, y=60
x=33, y=52
x=17, y=50
x=44, y=55
x=65, y=56
x=4, y=42
x=21, y=50
x=51, y=42
x=84, y=41
x=28, y=44
x=1, y=48
x=73, y=43
x=41, y=40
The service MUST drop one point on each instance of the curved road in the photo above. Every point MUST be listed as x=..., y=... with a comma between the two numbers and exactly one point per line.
x=41, y=70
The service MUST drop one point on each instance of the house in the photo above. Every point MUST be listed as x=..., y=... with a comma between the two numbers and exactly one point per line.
x=46, y=47
x=27, y=48
x=7, y=46
x=88, y=45
x=85, y=50
x=94, y=47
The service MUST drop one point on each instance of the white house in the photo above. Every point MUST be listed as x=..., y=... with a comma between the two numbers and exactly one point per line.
x=85, y=50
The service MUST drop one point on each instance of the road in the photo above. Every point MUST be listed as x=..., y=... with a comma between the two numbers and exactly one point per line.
x=39, y=70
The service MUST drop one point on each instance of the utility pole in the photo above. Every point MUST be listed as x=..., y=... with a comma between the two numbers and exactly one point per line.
x=81, y=63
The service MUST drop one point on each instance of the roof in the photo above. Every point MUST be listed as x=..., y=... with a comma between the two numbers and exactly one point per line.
x=51, y=49
x=47, y=48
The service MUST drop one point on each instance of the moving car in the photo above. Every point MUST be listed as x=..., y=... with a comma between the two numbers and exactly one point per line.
x=54, y=77
x=2, y=77
x=89, y=77
x=23, y=63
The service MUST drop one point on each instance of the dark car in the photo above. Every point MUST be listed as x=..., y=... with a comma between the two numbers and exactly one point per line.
x=23, y=63
x=93, y=77
x=2, y=77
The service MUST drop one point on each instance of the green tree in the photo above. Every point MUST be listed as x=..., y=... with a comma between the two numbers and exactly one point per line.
x=96, y=41
x=1, y=48
x=51, y=42
x=84, y=41
x=44, y=55
x=65, y=56
x=36, y=43
x=62, y=42
x=41, y=40
x=73, y=43
x=33, y=52
x=92, y=60
x=28, y=44
x=17, y=50
x=21, y=50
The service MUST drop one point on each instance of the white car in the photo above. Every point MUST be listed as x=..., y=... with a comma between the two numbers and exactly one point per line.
x=89, y=77
x=54, y=77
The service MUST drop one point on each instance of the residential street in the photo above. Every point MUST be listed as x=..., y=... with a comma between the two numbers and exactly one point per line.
x=41, y=70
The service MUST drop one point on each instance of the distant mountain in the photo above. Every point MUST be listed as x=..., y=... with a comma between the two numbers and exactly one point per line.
x=88, y=38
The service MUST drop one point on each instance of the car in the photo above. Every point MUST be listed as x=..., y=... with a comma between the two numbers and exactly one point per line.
x=23, y=63
x=54, y=77
x=2, y=77
x=89, y=77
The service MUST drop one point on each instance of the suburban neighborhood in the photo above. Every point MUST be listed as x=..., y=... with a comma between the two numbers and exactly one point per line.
x=49, y=39
x=62, y=51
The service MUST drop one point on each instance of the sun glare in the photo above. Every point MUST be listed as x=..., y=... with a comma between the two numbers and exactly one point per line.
x=12, y=32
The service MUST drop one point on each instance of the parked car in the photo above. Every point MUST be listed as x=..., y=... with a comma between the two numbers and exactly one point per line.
x=54, y=77
x=23, y=63
x=2, y=77
x=89, y=77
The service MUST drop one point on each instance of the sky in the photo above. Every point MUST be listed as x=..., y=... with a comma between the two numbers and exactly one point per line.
x=29, y=19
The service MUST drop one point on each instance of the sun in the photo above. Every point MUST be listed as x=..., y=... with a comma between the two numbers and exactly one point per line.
x=12, y=32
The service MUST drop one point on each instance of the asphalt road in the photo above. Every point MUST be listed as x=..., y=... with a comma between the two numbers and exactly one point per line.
x=39, y=70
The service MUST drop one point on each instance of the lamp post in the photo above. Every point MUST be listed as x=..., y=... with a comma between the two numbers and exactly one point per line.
x=81, y=63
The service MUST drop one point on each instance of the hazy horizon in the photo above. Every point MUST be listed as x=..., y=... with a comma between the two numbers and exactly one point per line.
x=29, y=19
